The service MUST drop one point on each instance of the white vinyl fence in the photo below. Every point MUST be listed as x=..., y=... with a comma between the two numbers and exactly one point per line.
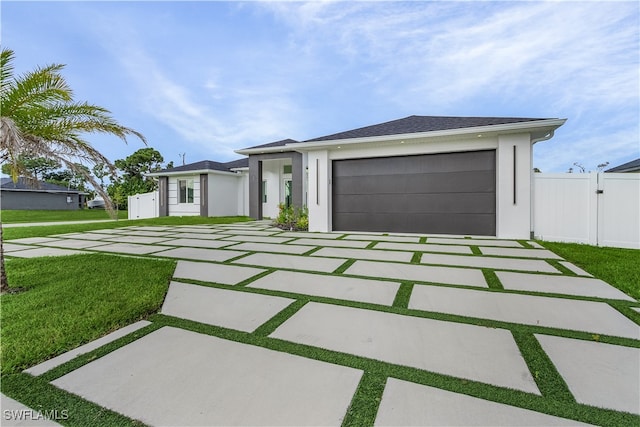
x=597, y=208
x=144, y=206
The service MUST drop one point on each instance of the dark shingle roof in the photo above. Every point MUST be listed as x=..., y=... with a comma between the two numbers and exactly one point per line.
x=280, y=143
x=210, y=165
x=24, y=184
x=416, y=124
x=632, y=166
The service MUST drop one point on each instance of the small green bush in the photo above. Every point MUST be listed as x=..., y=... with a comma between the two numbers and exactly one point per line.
x=292, y=218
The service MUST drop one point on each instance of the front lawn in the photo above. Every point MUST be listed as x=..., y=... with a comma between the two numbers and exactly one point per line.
x=616, y=266
x=11, y=216
x=71, y=300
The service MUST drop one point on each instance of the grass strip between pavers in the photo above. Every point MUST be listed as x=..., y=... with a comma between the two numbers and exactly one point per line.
x=272, y=324
x=403, y=295
x=547, y=378
x=366, y=400
x=492, y=279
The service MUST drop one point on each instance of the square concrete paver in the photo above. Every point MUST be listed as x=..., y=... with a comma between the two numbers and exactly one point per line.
x=202, y=254
x=197, y=243
x=182, y=378
x=215, y=273
x=465, y=351
x=568, y=285
x=194, y=236
x=409, y=404
x=75, y=244
x=423, y=273
x=577, y=270
x=241, y=232
x=475, y=242
x=137, y=239
x=333, y=243
x=145, y=233
x=308, y=235
x=489, y=262
x=519, y=253
x=423, y=247
x=15, y=414
x=12, y=247
x=129, y=248
x=347, y=288
x=39, y=252
x=72, y=354
x=576, y=315
x=381, y=238
x=34, y=240
x=220, y=307
x=85, y=236
x=272, y=247
x=598, y=374
x=369, y=254
x=259, y=239
x=293, y=262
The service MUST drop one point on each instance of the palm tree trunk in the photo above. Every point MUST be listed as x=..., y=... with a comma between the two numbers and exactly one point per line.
x=4, y=283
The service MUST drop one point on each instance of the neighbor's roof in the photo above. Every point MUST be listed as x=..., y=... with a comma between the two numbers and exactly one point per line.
x=23, y=184
x=417, y=124
x=206, y=165
x=632, y=166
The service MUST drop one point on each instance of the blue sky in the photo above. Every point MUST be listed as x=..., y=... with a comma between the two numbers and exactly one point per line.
x=205, y=78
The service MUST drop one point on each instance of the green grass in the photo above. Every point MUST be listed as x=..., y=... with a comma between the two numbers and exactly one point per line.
x=12, y=217
x=616, y=266
x=48, y=230
x=75, y=299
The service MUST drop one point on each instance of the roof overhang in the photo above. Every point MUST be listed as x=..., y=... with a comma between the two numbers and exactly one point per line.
x=539, y=130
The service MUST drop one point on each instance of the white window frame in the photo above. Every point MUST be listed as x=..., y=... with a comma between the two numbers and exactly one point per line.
x=187, y=186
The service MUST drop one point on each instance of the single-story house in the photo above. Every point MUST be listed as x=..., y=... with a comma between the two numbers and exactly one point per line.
x=422, y=174
x=419, y=174
x=205, y=188
x=632, y=166
x=26, y=195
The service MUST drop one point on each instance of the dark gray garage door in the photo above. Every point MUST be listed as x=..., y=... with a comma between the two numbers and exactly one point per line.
x=451, y=193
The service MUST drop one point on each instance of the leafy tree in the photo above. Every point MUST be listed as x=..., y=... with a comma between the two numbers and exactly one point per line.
x=40, y=118
x=133, y=181
x=33, y=167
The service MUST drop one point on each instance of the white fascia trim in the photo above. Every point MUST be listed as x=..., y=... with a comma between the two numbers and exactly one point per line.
x=265, y=150
x=537, y=125
x=193, y=172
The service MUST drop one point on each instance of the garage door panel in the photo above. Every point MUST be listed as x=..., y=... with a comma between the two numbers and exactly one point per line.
x=432, y=163
x=419, y=223
x=455, y=182
x=444, y=203
x=451, y=193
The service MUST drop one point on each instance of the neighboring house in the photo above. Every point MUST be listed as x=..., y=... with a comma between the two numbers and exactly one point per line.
x=632, y=166
x=205, y=188
x=24, y=195
x=423, y=174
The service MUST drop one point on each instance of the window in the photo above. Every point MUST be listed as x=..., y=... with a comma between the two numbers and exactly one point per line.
x=286, y=169
x=185, y=191
x=264, y=191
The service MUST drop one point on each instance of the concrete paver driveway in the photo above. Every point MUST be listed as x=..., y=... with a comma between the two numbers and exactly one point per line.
x=265, y=327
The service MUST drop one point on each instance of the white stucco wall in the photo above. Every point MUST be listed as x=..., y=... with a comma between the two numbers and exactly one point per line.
x=184, y=209
x=224, y=191
x=513, y=214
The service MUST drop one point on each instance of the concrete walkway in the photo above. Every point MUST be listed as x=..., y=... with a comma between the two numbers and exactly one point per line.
x=408, y=302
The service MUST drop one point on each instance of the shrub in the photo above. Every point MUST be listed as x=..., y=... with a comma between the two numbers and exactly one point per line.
x=292, y=218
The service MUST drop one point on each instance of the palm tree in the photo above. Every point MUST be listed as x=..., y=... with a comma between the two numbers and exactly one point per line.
x=39, y=117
